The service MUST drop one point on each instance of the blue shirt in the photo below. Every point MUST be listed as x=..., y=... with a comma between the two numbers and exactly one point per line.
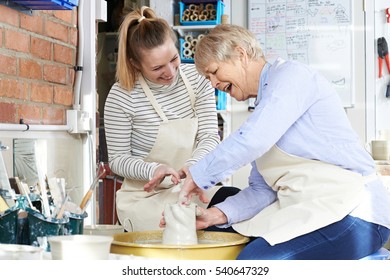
x=296, y=109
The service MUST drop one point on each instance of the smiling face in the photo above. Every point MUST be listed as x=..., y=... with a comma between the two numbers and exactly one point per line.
x=232, y=77
x=160, y=65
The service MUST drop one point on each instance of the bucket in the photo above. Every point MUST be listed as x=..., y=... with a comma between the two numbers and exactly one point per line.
x=39, y=226
x=76, y=223
x=9, y=226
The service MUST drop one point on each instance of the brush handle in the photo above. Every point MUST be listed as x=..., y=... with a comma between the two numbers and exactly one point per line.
x=86, y=198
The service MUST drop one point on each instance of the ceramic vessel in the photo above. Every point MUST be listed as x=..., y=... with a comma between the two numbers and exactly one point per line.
x=80, y=247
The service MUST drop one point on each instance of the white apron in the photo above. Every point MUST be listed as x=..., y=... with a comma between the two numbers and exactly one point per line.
x=310, y=195
x=139, y=210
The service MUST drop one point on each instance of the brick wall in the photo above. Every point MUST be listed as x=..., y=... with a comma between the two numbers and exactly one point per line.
x=37, y=55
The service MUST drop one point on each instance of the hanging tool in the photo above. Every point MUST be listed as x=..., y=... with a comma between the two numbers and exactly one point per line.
x=101, y=170
x=383, y=54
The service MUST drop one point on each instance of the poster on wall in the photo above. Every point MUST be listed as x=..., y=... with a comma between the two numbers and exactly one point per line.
x=316, y=32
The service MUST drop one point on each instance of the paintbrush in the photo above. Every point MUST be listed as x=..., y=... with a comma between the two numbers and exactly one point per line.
x=88, y=195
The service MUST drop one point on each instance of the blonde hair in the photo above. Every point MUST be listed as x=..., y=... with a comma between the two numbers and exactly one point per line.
x=220, y=45
x=140, y=30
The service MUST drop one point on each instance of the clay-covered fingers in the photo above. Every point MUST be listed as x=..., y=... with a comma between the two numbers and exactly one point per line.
x=159, y=174
x=162, y=221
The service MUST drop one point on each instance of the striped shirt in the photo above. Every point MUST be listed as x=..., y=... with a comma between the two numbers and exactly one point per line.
x=131, y=123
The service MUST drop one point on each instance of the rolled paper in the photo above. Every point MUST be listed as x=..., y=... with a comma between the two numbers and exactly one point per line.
x=213, y=12
x=209, y=6
x=185, y=18
x=192, y=7
x=187, y=44
x=187, y=12
x=200, y=36
x=188, y=38
x=202, y=18
x=194, y=17
x=187, y=53
x=194, y=42
x=225, y=19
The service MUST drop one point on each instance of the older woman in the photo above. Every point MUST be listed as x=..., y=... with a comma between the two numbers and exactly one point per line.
x=313, y=192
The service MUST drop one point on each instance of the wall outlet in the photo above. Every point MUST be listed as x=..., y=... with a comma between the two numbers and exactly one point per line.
x=78, y=121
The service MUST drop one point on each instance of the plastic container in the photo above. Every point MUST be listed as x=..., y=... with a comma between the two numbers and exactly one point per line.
x=39, y=226
x=20, y=252
x=103, y=229
x=76, y=223
x=80, y=247
x=218, y=6
x=48, y=4
x=9, y=226
x=221, y=99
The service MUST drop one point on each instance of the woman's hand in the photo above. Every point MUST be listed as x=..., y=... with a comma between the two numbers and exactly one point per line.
x=159, y=175
x=189, y=189
x=205, y=218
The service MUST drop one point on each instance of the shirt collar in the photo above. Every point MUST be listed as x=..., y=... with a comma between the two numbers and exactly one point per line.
x=263, y=78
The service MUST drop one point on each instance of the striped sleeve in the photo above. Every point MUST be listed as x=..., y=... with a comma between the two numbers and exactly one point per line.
x=118, y=123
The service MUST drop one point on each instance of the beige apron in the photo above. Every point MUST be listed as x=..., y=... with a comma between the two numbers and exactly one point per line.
x=310, y=194
x=139, y=210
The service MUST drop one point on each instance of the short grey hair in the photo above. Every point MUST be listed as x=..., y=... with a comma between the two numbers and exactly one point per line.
x=220, y=45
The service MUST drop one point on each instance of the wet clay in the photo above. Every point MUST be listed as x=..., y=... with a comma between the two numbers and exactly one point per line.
x=180, y=228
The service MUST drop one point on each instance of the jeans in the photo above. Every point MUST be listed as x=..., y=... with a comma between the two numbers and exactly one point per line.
x=349, y=239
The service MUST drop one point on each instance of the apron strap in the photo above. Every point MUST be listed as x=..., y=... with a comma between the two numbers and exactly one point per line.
x=190, y=90
x=152, y=99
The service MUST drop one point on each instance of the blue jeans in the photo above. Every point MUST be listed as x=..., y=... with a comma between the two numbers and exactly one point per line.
x=349, y=239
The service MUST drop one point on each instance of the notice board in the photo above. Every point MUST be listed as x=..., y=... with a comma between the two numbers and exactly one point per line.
x=316, y=32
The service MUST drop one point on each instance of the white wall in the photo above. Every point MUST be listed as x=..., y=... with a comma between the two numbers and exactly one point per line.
x=358, y=114
x=377, y=86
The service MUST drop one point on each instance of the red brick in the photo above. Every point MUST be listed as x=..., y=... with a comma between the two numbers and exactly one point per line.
x=8, y=65
x=31, y=23
x=57, y=31
x=41, y=48
x=66, y=16
x=63, y=95
x=41, y=93
x=13, y=89
x=73, y=40
x=30, y=69
x=17, y=41
x=30, y=113
x=7, y=112
x=72, y=75
x=54, y=73
x=9, y=16
x=53, y=115
x=63, y=54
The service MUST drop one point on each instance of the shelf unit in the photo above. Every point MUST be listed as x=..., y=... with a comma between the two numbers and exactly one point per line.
x=224, y=116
